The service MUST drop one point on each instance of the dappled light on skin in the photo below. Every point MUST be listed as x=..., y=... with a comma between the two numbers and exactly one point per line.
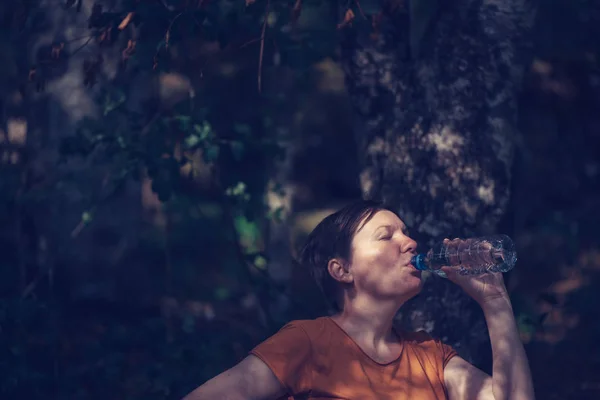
x=503, y=322
x=381, y=253
x=461, y=383
x=373, y=278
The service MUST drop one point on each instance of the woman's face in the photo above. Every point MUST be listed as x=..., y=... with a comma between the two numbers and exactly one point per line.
x=380, y=259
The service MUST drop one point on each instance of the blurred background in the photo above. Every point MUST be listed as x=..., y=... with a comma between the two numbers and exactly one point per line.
x=161, y=162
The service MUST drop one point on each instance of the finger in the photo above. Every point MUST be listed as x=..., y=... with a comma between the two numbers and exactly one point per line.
x=450, y=273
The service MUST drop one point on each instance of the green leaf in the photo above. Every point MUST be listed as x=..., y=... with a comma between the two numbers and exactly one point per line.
x=239, y=190
x=260, y=262
x=113, y=101
x=203, y=130
x=87, y=217
x=192, y=141
x=249, y=233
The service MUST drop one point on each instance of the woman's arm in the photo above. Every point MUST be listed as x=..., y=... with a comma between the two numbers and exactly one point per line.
x=511, y=378
x=251, y=379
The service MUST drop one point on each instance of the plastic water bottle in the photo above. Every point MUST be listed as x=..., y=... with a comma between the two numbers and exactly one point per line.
x=472, y=256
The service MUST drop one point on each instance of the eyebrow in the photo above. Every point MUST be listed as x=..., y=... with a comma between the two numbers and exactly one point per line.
x=403, y=228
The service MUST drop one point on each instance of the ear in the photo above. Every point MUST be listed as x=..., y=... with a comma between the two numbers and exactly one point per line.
x=338, y=271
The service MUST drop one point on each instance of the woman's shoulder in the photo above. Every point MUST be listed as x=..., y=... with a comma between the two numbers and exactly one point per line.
x=297, y=338
x=312, y=328
x=309, y=324
x=424, y=343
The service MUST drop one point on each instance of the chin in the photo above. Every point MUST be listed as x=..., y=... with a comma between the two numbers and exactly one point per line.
x=416, y=289
x=411, y=287
x=418, y=285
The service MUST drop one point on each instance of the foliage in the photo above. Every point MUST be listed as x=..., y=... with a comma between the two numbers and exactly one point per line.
x=208, y=170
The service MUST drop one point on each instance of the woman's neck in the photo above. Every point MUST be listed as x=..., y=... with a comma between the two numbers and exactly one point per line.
x=368, y=322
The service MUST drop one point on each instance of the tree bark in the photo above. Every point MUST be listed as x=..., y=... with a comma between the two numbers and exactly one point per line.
x=436, y=130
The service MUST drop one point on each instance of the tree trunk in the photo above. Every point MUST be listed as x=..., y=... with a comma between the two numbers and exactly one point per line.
x=436, y=131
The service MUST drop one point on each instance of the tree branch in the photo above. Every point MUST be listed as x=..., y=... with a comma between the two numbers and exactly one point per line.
x=262, y=46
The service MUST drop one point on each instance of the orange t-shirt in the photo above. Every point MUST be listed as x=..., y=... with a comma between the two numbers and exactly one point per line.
x=316, y=359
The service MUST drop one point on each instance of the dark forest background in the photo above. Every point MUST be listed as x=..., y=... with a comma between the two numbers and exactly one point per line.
x=161, y=162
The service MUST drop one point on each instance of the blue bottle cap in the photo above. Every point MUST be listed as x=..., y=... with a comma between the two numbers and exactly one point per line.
x=418, y=262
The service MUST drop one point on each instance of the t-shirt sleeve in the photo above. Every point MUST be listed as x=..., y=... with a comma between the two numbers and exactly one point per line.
x=443, y=352
x=446, y=352
x=288, y=354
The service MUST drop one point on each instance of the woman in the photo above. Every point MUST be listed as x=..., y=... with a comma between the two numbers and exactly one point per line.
x=360, y=257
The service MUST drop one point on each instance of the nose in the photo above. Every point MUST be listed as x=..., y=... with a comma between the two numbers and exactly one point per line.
x=408, y=245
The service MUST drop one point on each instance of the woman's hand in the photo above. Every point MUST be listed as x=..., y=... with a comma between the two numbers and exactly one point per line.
x=484, y=289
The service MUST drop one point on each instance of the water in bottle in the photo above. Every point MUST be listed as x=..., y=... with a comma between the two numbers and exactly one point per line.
x=472, y=256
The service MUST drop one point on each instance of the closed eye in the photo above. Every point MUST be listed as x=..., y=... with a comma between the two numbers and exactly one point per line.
x=385, y=234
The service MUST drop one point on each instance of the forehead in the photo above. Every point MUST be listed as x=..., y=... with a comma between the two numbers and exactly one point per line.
x=381, y=218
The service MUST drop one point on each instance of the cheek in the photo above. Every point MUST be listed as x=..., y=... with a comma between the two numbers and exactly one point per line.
x=375, y=267
x=386, y=260
x=373, y=262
